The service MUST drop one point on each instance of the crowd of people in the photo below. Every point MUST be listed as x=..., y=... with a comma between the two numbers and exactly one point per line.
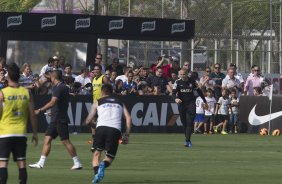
x=158, y=79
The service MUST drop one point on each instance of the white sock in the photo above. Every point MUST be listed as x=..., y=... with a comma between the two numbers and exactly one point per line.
x=75, y=160
x=42, y=160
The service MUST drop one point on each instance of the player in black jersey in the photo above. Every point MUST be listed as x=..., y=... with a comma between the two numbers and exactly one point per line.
x=183, y=93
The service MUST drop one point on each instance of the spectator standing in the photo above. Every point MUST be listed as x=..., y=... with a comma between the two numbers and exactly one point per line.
x=62, y=61
x=124, y=77
x=143, y=74
x=217, y=76
x=83, y=79
x=234, y=112
x=160, y=81
x=199, y=119
x=230, y=82
x=255, y=80
x=222, y=109
x=3, y=81
x=130, y=86
x=68, y=71
x=173, y=78
x=186, y=66
x=165, y=68
x=209, y=112
x=47, y=67
x=26, y=77
x=98, y=61
x=206, y=82
x=115, y=67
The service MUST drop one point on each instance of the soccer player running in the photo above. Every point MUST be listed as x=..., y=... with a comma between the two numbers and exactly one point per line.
x=16, y=105
x=183, y=94
x=110, y=111
x=59, y=121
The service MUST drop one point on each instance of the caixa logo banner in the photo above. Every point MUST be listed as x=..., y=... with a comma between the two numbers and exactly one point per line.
x=149, y=114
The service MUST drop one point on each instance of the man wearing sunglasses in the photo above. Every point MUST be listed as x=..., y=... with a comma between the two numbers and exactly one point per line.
x=217, y=76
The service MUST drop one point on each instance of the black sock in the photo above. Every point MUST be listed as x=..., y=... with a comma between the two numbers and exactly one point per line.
x=95, y=169
x=107, y=164
x=22, y=176
x=3, y=175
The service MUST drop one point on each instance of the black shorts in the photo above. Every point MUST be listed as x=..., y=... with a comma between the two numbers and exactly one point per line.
x=209, y=119
x=15, y=145
x=222, y=118
x=107, y=138
x=58, y=128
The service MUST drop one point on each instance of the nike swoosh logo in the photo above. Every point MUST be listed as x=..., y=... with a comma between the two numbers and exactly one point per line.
x=254, y=119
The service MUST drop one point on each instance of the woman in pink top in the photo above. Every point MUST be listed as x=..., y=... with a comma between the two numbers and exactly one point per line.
x=253, y=81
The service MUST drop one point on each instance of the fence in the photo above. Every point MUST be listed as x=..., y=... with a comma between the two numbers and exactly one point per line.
x=244, y=32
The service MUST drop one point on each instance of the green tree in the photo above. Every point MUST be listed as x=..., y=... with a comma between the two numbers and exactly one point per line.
x=17, y=5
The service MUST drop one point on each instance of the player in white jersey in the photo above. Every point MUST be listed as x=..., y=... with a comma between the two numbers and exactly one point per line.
x=222, y=109
x=108, y=129
x=209, y=112
x=199, y=119
x=234, y=112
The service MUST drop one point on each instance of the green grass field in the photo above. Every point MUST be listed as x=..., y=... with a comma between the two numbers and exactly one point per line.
x=161, y=159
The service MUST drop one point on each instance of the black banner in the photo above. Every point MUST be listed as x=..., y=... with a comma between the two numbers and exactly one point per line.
x=255, y=113
x=150, y=114
x=114, y=27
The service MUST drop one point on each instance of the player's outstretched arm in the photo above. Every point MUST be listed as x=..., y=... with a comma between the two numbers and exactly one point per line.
x=127, y=119
x=33, y=121
x=92, y=113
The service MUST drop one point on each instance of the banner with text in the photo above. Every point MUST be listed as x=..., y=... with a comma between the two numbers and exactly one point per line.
x=149, y=114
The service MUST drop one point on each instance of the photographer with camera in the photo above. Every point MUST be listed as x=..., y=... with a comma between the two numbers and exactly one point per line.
x=83, y=79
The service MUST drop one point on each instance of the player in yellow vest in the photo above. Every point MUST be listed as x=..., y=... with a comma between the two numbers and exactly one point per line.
x=97, y=82
x=17, y=105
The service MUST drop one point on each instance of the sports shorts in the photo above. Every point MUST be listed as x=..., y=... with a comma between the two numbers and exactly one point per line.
x=199, y=118
x=15, y=145
x=107, y=139
x=209, y=119
x=58, y=128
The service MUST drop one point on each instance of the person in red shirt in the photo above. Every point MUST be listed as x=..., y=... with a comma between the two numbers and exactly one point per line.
x=165, y=68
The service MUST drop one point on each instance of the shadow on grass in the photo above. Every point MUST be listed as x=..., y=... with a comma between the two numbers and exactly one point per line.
x=157, y=181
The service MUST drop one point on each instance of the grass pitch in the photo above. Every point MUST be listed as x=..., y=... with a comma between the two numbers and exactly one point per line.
x=161, y=159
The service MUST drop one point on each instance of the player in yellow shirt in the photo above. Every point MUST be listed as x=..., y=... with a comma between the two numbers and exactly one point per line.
x=98, y=80
x=17, y=105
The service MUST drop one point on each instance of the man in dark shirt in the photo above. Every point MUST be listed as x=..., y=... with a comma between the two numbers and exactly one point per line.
x=159, y=81
x=59, y=121
x=183, y=94
x=115, y=67
x=217, y=76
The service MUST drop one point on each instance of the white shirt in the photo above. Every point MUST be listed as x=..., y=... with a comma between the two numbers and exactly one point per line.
x=122, y=77
x=223, y=105
x=83, y=82
x=211, y=103
x=109, y=113
x=199, y=106
x=44, y=69
x=235, y=109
